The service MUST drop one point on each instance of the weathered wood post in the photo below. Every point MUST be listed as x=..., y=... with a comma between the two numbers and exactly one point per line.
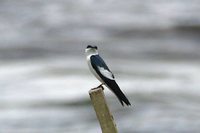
x=102, y=111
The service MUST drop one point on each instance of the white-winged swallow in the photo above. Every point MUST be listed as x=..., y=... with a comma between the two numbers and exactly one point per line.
x=101, y=71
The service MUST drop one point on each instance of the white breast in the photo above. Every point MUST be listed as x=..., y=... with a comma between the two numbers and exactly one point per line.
x=92, y=69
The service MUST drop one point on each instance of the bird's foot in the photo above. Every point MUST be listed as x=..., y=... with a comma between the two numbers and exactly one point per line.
x=101, y=86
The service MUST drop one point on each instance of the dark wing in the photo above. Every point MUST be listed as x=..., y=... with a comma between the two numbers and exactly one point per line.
x=100, y=67
x=103, y=71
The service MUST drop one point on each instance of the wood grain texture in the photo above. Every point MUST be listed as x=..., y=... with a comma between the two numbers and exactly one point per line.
x=102, y=111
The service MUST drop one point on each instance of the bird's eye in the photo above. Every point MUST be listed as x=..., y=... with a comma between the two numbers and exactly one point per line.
x=95, y=47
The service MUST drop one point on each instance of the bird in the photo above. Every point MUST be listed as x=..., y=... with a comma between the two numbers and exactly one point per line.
x=101, y=71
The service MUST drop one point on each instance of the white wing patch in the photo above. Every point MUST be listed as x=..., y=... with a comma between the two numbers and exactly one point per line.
x=106, y=73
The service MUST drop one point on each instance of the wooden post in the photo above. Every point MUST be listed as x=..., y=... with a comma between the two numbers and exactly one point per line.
x=102, y=111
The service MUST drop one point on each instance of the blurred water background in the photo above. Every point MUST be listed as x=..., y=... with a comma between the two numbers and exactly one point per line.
x=152, y=46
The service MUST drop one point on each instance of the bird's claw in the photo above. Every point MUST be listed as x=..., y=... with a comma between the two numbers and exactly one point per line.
x=101, y=86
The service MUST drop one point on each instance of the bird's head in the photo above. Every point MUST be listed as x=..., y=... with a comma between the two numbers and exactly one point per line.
x=91, y=50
